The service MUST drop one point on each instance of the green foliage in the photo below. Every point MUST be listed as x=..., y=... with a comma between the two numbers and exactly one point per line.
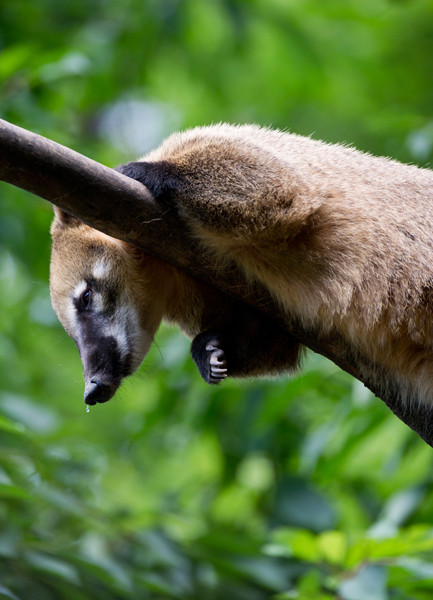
x=303, y=488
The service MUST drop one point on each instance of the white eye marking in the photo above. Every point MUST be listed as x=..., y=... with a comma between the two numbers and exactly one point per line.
x=97, y=297
x=80, y=289
x=101, y=269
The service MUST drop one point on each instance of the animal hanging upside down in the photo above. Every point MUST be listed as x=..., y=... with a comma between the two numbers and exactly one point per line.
x=342, y=240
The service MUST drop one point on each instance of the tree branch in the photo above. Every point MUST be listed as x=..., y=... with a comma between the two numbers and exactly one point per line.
x=125, y=209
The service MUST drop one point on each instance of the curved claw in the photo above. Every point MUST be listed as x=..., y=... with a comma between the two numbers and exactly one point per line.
x=218, y=365
x=210, y=357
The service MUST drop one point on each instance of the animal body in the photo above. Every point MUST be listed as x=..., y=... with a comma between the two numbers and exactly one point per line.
x=342, y=241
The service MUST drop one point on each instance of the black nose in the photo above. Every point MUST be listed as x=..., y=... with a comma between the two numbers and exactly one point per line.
x=96, y=391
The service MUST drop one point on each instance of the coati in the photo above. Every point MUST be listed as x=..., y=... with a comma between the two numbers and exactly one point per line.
x=342, y=240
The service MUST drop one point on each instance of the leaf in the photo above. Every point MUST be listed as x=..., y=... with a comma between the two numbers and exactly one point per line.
x=300, y=505
x=333, y=546
x=263, y=571
x=397, y=510
x=95, y=554
x=368, y=583
x=298, y=543
x=37, y=418
x=410, y=541
x=11, y=426
x=418, y=568
x=6, y=593
x=13, y=491
x=52, y=565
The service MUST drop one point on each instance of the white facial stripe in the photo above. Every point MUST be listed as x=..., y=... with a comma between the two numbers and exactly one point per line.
x=122, y=323
x=126, y=324
x=118, y=331
x=124, y=320
x=97, y=301
x=101, y=269
x=71, y=316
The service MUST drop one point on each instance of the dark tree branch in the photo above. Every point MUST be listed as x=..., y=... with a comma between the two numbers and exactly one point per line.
x=125, y=209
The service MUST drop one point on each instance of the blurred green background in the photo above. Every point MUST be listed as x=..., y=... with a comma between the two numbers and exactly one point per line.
x=305, y=488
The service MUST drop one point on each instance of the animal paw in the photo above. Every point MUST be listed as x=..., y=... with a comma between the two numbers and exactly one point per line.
x=217, y=362
x=209, y=357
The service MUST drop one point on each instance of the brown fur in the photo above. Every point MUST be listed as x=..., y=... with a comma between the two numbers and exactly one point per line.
x=341, y=239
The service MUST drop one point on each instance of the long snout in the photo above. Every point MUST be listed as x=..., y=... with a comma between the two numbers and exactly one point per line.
x=103, y=369
x=96, y=391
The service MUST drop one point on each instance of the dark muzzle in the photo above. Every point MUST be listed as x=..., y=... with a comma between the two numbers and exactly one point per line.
x=97, y=392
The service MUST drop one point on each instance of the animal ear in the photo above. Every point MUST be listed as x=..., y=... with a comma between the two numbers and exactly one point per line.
x=63, y=219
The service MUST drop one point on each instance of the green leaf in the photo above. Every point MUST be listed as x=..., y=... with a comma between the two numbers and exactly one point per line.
x=332, y=545
x=34, y=417
x=418, y=568
x=298, y=543
x=52, y=565
x=11, y=426
x=415, y=540
x=299, y=504
x=396, y=510
x=13, y=491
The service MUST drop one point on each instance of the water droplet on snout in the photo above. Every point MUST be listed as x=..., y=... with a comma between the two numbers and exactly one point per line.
x=87, y=408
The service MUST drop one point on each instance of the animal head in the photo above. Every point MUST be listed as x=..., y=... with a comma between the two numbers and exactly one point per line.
x=106, y=296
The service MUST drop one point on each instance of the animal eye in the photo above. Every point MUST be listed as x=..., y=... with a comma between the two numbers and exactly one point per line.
x=86, y=299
